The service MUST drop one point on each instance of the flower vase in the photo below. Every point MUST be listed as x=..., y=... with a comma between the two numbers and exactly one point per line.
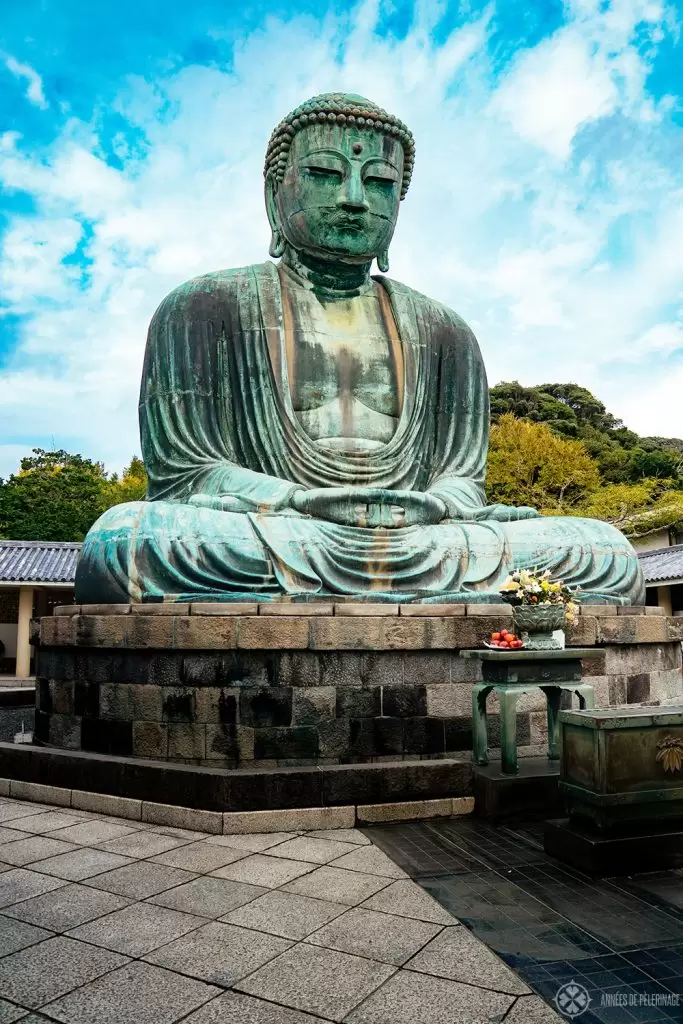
x=540, y=626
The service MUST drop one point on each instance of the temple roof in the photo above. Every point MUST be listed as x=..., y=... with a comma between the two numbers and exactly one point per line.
x=662, y=565
x=38, y=561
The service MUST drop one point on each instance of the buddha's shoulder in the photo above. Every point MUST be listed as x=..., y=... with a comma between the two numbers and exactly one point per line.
x=426, y=307
x=217, y=287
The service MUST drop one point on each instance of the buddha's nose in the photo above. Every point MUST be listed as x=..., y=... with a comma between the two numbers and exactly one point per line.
x=352, y=196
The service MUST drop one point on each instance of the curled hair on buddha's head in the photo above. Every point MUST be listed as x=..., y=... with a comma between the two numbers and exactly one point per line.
x=340, y=108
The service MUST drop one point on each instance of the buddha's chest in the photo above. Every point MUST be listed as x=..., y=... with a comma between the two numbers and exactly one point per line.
x=342, y=363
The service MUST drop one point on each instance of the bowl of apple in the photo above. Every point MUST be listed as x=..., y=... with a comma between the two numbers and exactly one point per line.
x=504, y=640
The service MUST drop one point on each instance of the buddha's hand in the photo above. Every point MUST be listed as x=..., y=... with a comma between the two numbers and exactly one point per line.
x=370, y=507
x=505, y=513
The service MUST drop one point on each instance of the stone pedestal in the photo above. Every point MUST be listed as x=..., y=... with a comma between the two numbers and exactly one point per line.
x=283, y=685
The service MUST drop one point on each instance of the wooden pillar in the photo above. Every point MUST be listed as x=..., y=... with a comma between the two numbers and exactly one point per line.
x=664, y=599
x=23, y=667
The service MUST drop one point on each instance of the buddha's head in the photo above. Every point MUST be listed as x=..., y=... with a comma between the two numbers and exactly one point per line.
x=336, y=170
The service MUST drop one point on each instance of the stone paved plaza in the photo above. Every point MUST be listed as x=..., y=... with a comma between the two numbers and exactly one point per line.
x=110, y=921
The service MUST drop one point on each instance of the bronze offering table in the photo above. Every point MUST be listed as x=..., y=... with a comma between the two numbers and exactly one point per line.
x=512, y=673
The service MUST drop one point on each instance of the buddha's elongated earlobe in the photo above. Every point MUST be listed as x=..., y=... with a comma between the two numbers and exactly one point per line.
x=277, y=244
x=383, y=260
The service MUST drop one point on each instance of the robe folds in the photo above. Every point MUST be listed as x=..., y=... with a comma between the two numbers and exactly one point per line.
x=216, y=419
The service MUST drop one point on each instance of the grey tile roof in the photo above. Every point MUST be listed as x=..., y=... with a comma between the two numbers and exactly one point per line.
x=662, y=564
x=38, y=561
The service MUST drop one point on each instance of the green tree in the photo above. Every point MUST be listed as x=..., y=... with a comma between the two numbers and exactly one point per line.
x=635, y=509
x=132, y=486
x=530, y=465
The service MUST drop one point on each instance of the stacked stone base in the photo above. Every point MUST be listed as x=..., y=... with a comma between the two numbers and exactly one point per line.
x=288, y=685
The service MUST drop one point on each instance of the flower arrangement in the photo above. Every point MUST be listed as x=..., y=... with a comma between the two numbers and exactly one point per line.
x=530, y=587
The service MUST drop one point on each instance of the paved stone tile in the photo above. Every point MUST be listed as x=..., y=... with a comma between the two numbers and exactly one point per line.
x=139, y=879
x=208, y=897
x=219, y=953
x=178, y=833
x=66, y=908
x=283, y=913
x=137, y=929
x=406, y=899
x=25, y=851
x=254, y=842
x=260, y=869
x=143, y=844
x=530, y=1010
x=47, y=971
x=328, y=883
x=16, y=935
x=372, y=861
x=48, y=821
x=81, y=863
x=237, y=1008
x=458, y=955
x=318, y=981
x=200, y=857
x=35, y=1018
x=343, y=835
x=136, y=994
x=9, y=1012
x=94, y=832
x=407, y=998
x=10, y=835
x=317, y=851
x=20, y=884
x=393, y=940
x=12, y=810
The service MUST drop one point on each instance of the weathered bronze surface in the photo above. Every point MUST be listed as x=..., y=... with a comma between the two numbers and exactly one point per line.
x=310, y=430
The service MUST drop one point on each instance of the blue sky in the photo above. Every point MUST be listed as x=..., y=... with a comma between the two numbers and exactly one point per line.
x=546, y=205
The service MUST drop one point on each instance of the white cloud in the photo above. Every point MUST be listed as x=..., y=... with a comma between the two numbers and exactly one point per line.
x=34, y=83
x=521, y=187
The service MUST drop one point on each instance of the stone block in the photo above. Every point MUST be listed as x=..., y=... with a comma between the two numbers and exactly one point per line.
x=300, y=741
x=86, y=698
x=179, y=704
x=58, y=631
x=151, y=630
x=223, y=608
x=265, y=706
x=618, y=630
x=421, y=633
x=382, y=668
x=631, y=609
x=102, y=737
x=187, y=741
x=334, y=738
x=463, y=805
x=501, y=610
x=61, y=697
x=299, y=668
x=359, y=702
x=206, y=632
x=102, y=630
x=242, y=668
x=41, y=728
x=302, y=609
x=651, y=609
x=105, y=609
x=304, y=819
x=43, y=695
x=313, y=705
x=601, y=686
x=338, y=669
x=274, y=632
x=651, y=630
x=593, y=666
x=404, y=701
x=102, y=803
x=201, y=669
x=419, y=667
x=183, y=817
x=674, y=628
x=638, y=688
x=367, y=608
x=410, y=810
x=617, y=691
x=229, y=742
x=216, y=704
x=633, y=658
x=458, y=733
x=423, y=736
x=4, y=787
x=538, y=728
x=339, y=633
x=666, y=685
x=67, y=609
x=431, y=610
x=160, y=608
x=36, y=792
x=583, y=632
x=445, y=700
x=116, y=702
x=599, y=610
x=65, y=731
x=387, y=735
x=464, y=670
x=150, y=739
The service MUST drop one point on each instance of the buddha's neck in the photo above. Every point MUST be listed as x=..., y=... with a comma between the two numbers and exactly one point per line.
x=338, y=279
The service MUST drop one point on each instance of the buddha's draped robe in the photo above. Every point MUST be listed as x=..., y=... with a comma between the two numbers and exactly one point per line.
x=216, y=419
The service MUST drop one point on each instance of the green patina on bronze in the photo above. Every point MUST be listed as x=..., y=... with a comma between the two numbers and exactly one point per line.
x=310, y=430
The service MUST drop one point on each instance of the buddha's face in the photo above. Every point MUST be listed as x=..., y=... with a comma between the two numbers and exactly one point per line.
x=340, y=194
